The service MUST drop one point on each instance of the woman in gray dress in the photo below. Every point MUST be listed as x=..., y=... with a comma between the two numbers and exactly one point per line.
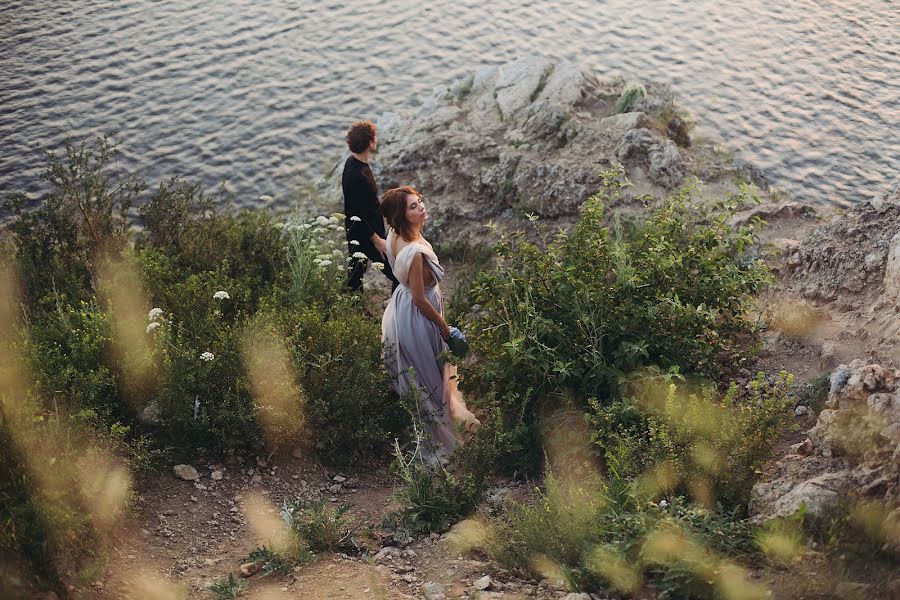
x=413, y=327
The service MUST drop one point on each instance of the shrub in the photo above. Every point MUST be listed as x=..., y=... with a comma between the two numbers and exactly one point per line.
x=227, y=588
x=682, y=440
x=631, y=95
x=434, y=496
x=592, y=539
x=580, y=312
x=272, y=562
x=320, y=527
x=83, y=217
x=338, y=357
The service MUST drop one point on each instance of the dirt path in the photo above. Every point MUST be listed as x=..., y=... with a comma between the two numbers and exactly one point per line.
x=181, y=536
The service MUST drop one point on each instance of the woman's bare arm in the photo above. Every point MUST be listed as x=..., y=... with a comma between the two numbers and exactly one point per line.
x=417, y=287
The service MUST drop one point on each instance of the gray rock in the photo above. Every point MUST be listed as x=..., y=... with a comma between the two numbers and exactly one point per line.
x=801, y=410
x=434, y=591
x=677, y=131
x=666, y=166
x=186, y=472
x=217, y=475
x=482, y=583
x=387, y=551
x=892, y=269
x=577, y=596
x=150, y=414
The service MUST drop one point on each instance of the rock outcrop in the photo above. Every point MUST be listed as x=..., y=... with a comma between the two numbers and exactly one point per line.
x=534, y=135
x=853, y=449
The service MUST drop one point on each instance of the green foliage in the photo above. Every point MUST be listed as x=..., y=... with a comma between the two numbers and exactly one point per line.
x=684, y=440
x=68, y=350
x=321, y=527
x=594, y=538
x=631, y=95
x=227, y=588
x=434, y=495
x=84, y=215
x=317, y=259
x=339, y=366
x=469, y=259
x=582, y=311
x=272, y=562
x=814, y=393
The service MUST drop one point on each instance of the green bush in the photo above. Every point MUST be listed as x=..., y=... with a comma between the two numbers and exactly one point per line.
x=434, y=496
x=68, y=350
x=582, y=311
x=686, y=440
x=83, y=217
x=339, y=365
x=320, y=527
x=593, y=538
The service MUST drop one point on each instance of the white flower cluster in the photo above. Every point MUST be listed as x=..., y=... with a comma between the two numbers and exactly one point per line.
x=221, y=295
x=154, y=316
x=359, y=255
x=355, y=218
x=207, y=356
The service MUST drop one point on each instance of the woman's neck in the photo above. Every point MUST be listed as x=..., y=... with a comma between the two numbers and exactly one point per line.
x=415, y=233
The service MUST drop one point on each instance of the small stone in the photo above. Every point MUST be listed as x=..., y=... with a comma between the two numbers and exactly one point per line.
x=434, y=591
x=335, y=489
x=482, y=583
x=339, y=479
x=248, y=569
x=193, y=498
x=186, y=472
x=577, y=596
x=216, y=475
x=801, y=410
x=256, y=479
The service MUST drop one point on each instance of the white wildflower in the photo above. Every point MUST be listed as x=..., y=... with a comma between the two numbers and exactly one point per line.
x=337, y=253
x=152, y=326
x=319, y=230
x=333, y=220
x=355, y=218
x=265, y=198
x=324, y=263
x=359, y=255
x=354, y=242
x=305, y=227
x=154, y=314
x=378, y=265
x=321, y=257
x=663, y=504
x=207, y=356
x=322, y=221
x=221, y=295
x=280, y=226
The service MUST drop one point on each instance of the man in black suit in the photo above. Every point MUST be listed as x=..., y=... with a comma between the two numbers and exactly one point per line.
x=362, y=221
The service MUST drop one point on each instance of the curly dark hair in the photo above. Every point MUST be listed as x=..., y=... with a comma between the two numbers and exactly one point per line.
x=360, y=135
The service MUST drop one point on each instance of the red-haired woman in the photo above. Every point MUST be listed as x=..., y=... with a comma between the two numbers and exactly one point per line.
x=413, y=326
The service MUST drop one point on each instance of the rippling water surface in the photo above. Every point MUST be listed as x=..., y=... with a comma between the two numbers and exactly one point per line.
x=258, y=94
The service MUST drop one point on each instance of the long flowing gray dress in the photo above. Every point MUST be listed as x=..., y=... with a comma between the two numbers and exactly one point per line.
x=413, y=342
